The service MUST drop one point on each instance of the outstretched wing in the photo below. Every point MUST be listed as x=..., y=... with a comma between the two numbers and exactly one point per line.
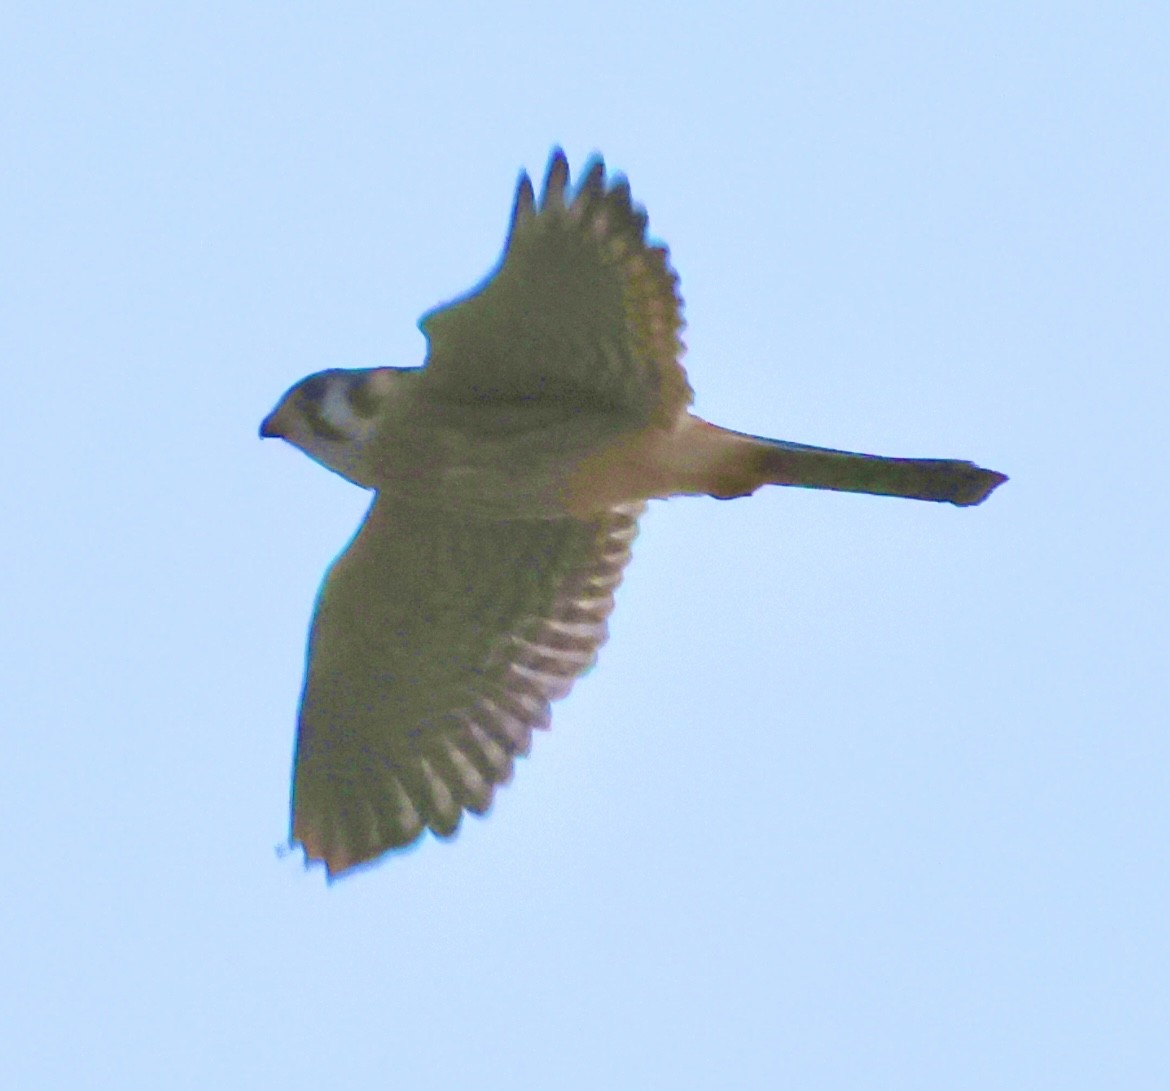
x=436, y=649
x=581, y=310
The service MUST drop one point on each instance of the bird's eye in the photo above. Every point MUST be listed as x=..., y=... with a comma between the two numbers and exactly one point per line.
x=313, y=390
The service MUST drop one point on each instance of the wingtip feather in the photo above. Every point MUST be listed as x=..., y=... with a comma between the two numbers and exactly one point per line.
x=524, y=206
x=556, y=180
x=592, y=186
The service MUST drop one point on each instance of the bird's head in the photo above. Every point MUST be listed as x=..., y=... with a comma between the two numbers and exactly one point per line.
x=332, y=415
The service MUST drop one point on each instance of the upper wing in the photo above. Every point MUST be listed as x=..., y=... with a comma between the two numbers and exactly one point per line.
x=436, y=648
x=581, y=309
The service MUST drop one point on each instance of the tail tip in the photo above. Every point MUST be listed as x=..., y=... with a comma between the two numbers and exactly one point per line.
x=975, y=486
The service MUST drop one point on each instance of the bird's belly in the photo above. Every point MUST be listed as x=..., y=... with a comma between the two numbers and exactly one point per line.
x=523, y=474
x=647, y=464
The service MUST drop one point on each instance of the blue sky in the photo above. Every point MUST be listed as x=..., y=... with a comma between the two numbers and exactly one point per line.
x=863, y=793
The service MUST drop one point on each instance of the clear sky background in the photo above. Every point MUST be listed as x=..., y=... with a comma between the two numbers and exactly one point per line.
x=863, y=794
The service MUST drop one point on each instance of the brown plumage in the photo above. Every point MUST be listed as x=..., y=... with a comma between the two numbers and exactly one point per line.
x=509, y=473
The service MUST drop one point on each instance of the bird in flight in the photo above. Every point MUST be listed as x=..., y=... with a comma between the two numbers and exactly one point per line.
x=509, y=472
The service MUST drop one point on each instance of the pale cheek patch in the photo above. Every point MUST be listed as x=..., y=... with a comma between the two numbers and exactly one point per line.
x=337, y=412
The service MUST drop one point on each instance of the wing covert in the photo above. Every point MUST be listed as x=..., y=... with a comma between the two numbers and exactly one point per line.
x=436, y=648
x=582, y=309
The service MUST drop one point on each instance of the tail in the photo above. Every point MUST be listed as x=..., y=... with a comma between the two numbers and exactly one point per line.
x=747, y=462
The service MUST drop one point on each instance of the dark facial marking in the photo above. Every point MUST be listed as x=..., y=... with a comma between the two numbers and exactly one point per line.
x=362, y=399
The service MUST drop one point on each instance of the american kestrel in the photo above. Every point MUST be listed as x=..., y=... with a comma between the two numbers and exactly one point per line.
x=508, y=474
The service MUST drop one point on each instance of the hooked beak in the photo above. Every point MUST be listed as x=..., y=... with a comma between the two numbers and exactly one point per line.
x=270, y=427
